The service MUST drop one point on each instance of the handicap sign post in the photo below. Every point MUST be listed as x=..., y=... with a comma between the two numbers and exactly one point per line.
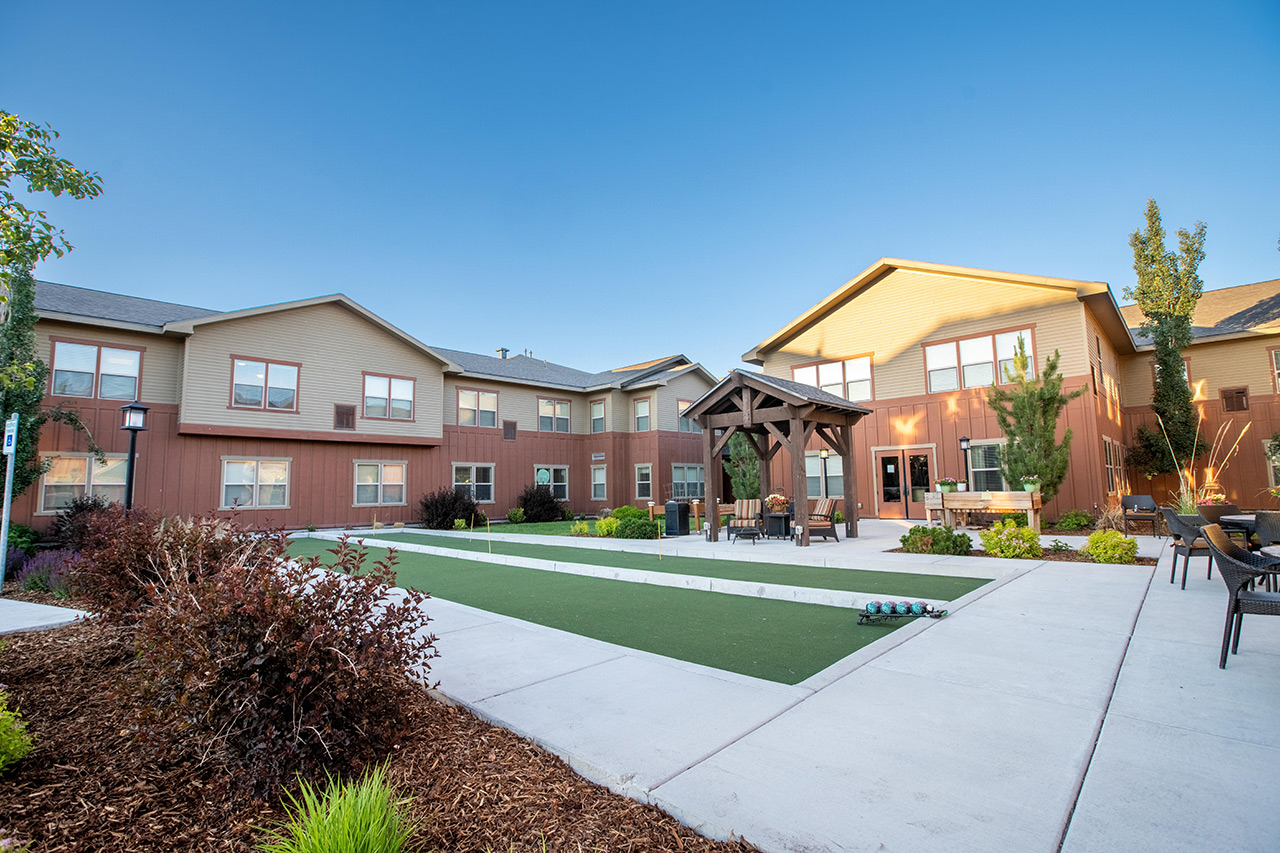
x=10, y=445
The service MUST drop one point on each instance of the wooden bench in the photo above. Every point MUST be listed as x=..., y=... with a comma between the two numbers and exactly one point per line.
x=952, y=503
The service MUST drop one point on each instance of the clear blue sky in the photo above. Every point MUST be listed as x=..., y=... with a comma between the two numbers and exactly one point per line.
x=607, y=182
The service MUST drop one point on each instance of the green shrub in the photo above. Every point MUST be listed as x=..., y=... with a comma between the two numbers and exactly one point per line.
x=1018, y=518
x=607, y=527
x=23, y=538
x=540, y=505
x=515, y=515
x=1006, y=539
x=839, y=517
x=1110, y=546
x=936, y=540
x=622, y=513
x=567, y=513
x=16, y=742
x=637, y=528
x=350, y=817
x=1076, y=519
x=580, y=528
x=1057, y=546
x=459, y=524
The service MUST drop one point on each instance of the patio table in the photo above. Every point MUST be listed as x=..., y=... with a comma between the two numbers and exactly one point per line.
x=1244, y=521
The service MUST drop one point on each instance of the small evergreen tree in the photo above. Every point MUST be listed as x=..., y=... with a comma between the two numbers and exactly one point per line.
x=1028, y=416
x=1167, y=291
x=744, y=468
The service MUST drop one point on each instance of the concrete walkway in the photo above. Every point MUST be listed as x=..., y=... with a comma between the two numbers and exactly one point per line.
x=1065, y=705
x=24, y=616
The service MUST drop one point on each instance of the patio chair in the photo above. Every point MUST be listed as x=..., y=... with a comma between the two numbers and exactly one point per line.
x=1239, y=570
x=1138, y=508
x=822, y=521
x=746, y=516
x=1266, y=527
x=1213, y=513
x=1187, y=543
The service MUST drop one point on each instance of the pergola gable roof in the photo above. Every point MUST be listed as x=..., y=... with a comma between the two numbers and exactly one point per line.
x=723, y=396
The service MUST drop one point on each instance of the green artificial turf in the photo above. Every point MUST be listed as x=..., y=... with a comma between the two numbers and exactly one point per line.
x=938, y=587
x=774, y=640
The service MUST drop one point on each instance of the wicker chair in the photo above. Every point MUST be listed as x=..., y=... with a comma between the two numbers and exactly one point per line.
x=1187, y=543
x=746, y=516
x=1239, y=569
x=822, y=521
x=1139, y=508
x=1267, y=527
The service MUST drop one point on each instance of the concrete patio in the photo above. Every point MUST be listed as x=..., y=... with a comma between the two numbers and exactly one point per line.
x=1064, y=706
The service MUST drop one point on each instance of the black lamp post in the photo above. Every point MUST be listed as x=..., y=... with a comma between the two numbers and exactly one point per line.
x=822, y=454
x=964, y=451
x=135, y=420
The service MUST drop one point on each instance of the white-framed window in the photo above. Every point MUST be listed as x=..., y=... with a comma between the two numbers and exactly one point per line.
x=477, y=408
x=644, y=482
x=255, y=483
x=264, y=385
x=850, y=378
x=555, y=477
x=687, y=481
x=380, y=483
x=818, y=486
x=686, y=424
x=597, y=416
x=476, y=480
x=642, y=415
x=388, y=397
x=977, y=362
x=80, y=368
x=942, y=367
x=984, y=467
x=553, y=415
x=599, y=490
x=73, y=476
x=1113, y=460
x=1273, y=464
x=1007, y=348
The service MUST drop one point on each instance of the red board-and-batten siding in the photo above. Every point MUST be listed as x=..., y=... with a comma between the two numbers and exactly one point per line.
x=895, y=315
x=192, y=429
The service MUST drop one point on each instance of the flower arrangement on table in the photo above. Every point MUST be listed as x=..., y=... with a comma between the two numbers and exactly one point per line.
x=777, y=503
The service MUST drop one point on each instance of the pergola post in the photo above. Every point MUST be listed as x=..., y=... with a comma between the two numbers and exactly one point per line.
x=714, y=477
x=799, y=485
x=850, y=483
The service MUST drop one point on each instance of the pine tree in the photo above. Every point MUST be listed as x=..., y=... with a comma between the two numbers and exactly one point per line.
x=744, y=468
x=1167, y=291
x=1028, y=416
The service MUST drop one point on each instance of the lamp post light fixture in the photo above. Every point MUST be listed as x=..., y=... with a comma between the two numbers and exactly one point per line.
x=964, y=452
x=823, y=454
x=135, y=420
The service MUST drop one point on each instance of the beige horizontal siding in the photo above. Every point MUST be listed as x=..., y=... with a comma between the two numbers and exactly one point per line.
x=161, y=363
x=335, y=348
x=893, y=317
x=688, y=387
x=1210, y=368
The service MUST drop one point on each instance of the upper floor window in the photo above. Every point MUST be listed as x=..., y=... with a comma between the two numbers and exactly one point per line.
x=379, y=483
x=850, y=378
x=597, y=416
x=477, y=408
x=686, y=424
x=973, y=362
x=71, y=477
x=553, y=415
x=264, y=385
x=80, y=368
x=388, y=397
x=642, y=415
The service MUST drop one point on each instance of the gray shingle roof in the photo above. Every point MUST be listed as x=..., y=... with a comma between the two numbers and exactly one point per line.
x=1243, y=308
x=521, y=368
x=54, y=298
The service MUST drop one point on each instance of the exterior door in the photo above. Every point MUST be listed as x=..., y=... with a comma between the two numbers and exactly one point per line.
x=902, y=479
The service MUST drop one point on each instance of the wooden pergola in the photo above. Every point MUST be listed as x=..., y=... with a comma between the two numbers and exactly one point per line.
x=776, y=414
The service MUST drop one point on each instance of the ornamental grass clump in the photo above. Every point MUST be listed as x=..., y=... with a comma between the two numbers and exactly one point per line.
x=345, y=817
x=1110, y=546
x=935, y=540
x=1006, y=539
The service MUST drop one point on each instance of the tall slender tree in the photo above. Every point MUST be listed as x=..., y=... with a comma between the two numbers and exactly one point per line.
x=1167, y=291
x=744, y=468
x=1028, y=416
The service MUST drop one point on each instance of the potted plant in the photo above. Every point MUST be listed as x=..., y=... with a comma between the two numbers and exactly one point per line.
x=962, y=485
x=945, y=484
x=1031, y=483
x=776, y=502
x=1213, y=506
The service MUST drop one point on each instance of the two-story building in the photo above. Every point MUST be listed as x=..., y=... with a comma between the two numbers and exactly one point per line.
x=320, y=412
x=920, y=344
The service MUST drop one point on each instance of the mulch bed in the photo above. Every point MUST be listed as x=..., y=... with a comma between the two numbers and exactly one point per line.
x=1070, y=555
x=91, y=785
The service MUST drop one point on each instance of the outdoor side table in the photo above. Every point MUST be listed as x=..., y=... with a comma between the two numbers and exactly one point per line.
x=777, y=525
